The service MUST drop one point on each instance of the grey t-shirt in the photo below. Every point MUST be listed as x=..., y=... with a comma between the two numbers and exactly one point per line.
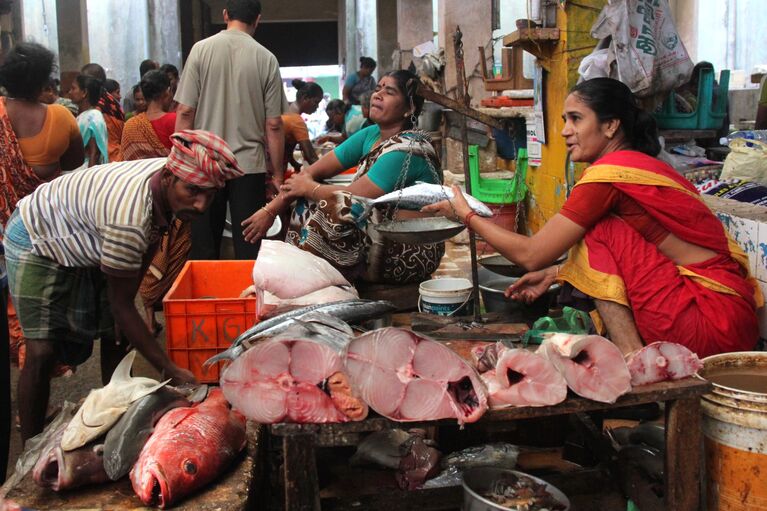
x=234, y=84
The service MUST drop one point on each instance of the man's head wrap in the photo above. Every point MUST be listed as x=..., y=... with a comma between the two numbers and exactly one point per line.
x=202, y=158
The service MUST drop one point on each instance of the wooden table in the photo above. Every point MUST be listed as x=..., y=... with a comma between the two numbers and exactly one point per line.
x=683, y=441
x=232, y=491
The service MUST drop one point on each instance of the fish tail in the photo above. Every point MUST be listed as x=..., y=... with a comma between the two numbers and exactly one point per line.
x=224, y=355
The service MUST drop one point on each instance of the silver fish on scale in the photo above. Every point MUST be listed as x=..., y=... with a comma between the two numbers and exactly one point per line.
x=420, y=195
x=350, y=311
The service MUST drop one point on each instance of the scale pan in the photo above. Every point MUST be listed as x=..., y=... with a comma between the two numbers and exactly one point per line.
x=420, y=231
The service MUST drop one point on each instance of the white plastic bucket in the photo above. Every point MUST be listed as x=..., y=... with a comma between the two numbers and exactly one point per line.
x=445, y=297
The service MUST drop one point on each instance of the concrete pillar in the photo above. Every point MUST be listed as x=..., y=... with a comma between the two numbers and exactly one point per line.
x=118, y=38
x=39, y=23
x=415, y=21
x=351, y=54
x=73, y=35
x=474, y=18
x=164, y=33
x=387, y=28
x=366, y=33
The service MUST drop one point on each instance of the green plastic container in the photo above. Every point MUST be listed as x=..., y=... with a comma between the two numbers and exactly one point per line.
x=498, y=191
x=706, y=116
x=572, y=321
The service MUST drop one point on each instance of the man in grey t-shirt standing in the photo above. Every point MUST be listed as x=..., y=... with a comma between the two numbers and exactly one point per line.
x=231, y=86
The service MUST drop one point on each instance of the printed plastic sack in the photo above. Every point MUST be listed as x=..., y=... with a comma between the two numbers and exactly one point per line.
x=747, y=161
x=287, y=271
x=645, y=51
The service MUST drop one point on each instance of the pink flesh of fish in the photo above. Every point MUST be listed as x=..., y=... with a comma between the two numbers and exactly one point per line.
x=524, y=378
x=409, y=378
x=281, y=380
x=661, y=361
x=593, y=366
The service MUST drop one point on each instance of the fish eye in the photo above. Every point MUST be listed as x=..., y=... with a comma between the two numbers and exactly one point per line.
x=190, y=467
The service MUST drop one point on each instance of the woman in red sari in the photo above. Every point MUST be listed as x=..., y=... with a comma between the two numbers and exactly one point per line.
x=656, y=261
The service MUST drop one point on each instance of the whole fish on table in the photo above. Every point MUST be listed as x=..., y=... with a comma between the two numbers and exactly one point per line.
x=125, y=440
x=190, y=447
x=420, y=195
x=346, y=310
x=59, y=470
x=103, y=407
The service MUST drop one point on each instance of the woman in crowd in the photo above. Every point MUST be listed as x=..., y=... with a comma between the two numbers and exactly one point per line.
x=323, y=221
x=308, y=97
x=39, y=141
x=344, y=119
x=656, y=262
x=50, y=95
x=113, y=88
x=110, y=108
x=139, y=103
x=360, y=82
x=147, y=135
x=85, y=92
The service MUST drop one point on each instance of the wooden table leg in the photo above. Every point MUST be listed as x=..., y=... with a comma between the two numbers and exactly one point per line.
x=684, y=454
x=302, y=491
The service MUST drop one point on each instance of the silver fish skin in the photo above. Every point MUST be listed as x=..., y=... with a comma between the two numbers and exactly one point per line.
x=349, y=311
x=125, y=440
x=420, y=195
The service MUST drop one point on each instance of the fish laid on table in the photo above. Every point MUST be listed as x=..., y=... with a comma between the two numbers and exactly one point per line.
x=407, y=377
x=350, y=311
x=190, y=447
x=103, y=407
x=126, y=438
x=523, y=378
x=593, y=366
x=59, y=470
x=325, y=295
x=661, y=361
x=286, y=271
x=420, y=195
x=297, y=376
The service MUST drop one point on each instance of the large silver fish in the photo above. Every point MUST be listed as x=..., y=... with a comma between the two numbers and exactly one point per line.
x=420, y=195
x=125, y=440
x=350, y=311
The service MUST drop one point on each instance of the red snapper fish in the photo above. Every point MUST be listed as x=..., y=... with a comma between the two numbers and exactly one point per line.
x=189, y=448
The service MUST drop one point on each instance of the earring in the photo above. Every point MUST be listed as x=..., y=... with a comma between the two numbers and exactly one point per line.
x=413, y=120
x=610, y=136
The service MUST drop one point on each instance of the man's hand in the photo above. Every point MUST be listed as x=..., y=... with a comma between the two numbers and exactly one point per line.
x=256, y=225
x=532, y=285
x=179, y=376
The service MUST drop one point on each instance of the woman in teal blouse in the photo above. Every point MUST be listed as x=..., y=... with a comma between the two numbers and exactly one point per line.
x=322, y=220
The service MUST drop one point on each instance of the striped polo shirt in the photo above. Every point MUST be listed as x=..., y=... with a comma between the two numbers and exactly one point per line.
x=97, y=217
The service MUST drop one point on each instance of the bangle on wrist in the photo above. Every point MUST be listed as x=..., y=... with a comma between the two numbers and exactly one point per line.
x=311, y=195
x=468, y=217
x=269, y=211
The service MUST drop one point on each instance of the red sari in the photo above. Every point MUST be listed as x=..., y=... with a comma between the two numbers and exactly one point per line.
x=710, y=307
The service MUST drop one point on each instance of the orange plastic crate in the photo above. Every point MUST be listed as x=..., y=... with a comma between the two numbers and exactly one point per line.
x=203, y=313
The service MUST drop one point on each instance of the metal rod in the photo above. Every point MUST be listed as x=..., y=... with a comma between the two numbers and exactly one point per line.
x=466, y=110
x=463, y=97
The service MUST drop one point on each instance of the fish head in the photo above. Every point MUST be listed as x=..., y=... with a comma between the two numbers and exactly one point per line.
x=167, y=475
x=47, y=471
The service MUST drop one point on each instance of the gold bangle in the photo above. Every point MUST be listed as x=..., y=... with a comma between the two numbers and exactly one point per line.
x=269, y=211
x=311, y=195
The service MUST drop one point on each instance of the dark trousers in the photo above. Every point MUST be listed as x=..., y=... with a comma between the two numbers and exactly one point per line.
x=5, y=385
x=245, y=195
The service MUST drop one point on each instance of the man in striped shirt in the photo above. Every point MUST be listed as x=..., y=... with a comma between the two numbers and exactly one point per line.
x=78, y=247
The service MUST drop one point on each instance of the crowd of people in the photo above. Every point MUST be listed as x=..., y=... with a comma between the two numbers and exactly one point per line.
x=97, y=206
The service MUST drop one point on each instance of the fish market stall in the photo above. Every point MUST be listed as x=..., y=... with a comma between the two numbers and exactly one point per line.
x=234, y=490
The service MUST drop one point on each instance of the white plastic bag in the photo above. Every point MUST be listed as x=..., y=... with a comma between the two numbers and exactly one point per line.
x=645, y=51
x=747, y=161
x=287, y=271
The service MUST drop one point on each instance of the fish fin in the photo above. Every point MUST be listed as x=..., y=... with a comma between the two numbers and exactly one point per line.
x=145, y=391
x=181, y=417
x=224, y=355
x=122, y=371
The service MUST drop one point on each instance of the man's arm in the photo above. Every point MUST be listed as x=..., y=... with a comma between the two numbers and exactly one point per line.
x=275, y=142
x=185, y=117
x=122, y=293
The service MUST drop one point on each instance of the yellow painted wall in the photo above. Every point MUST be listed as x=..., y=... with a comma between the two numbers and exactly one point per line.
x=561, y=61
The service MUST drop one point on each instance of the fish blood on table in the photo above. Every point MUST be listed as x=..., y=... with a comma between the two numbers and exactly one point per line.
x=297, y=376
x=407, y=377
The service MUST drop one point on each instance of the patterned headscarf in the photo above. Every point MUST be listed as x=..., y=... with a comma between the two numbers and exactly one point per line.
x=202, y=158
